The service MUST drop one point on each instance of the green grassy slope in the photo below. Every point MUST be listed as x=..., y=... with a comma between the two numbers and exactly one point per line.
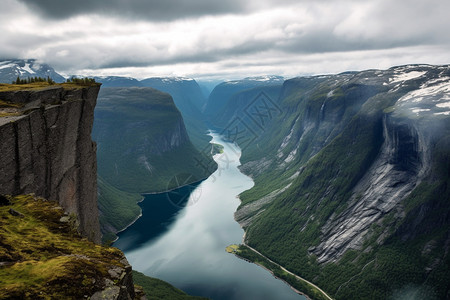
x=117, y=209
x=189, y=100
x=44, y=257
x=157, y=289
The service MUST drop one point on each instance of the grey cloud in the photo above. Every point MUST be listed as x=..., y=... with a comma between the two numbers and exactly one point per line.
x=326, y=41
x=144, y=9
x=386, y=25
x=125, y=60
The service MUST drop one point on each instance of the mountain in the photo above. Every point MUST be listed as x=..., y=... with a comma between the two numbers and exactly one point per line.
x=221, y=94
x=47, y=152
x=24, y=68
x=186, y=94
x=207, y=87
x=139, y=134
x=117, y=81
x=189, y=99
x=185, y=91
x=246, y=105
x=352, y=188
x=142, y=147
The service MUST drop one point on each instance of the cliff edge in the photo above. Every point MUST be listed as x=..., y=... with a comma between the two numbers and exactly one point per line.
x=46, y=147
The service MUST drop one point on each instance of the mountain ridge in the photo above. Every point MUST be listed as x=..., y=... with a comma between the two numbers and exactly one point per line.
x=23, y=68
x=346, y=172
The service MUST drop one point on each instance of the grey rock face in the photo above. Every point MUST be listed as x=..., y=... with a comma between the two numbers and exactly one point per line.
x=404, y=161
x=400, y=167
x=120, y=286
x=48, y=151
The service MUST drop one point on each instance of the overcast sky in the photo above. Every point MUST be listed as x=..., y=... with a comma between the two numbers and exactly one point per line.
x=224, y=39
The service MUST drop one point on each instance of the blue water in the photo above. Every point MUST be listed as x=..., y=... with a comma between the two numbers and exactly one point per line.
x=182, y=235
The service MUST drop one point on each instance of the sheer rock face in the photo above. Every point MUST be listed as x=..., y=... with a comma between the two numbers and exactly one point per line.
x=403, y=162
x=409, y=109
x=47, y=150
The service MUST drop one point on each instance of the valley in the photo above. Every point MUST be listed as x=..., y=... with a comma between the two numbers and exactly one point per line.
x=342, y=165
x=341, y=179
x=189, y=231
x=225, y=150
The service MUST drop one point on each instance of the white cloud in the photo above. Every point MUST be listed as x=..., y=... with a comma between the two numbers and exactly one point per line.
x=296, y=38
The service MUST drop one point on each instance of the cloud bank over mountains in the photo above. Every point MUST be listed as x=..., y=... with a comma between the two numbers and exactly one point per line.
x=225, y=39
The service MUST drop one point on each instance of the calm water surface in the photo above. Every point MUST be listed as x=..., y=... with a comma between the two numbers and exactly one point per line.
x=182, y=235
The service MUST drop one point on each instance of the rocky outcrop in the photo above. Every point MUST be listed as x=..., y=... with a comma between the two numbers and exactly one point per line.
x=41, y=236
x=120, y=284
x=46, y=149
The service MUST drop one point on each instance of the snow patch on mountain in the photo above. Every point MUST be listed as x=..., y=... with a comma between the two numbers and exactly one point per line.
x=27, y=68
x=24, y=68
x=406, y=76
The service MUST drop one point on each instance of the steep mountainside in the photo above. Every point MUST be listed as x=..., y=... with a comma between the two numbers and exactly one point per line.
x=46, y=147
x=222, y=93
x=142, y=146
x=189, y=99
x=247, y=105
x=352, y=178
x=24, y=68
x=207, y=86
x=186, y=94
x=142, y=141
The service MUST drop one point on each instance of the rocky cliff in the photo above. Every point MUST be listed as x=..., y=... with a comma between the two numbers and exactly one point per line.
x=46, y=148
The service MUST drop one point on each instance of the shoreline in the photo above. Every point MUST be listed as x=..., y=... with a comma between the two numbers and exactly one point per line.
x=143, y=198
x=284, y=269
x=178, y=187
x=270, y=271
x=156, y=193
x=134, y=221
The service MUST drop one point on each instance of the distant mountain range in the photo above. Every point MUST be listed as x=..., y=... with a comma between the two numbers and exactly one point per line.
x=225, y=90
x=24, y=68
x=186, y=94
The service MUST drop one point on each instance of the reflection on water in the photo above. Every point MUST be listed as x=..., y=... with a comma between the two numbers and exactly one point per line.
x=159, y=212
x=184, y=242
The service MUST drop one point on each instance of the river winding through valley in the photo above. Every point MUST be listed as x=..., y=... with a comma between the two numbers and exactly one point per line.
x=182, y=235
